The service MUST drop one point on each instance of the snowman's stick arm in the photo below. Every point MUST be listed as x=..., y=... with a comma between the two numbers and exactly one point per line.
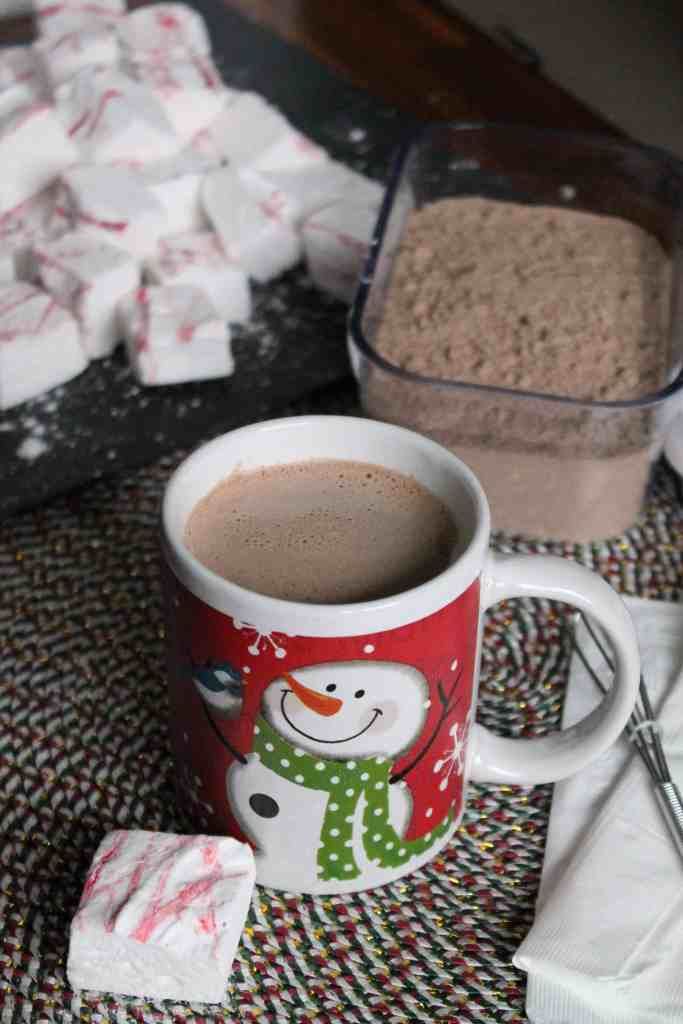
x=235, y=753
x=446, y=708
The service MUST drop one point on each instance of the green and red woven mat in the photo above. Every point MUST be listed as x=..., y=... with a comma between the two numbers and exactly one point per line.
x=83, y=750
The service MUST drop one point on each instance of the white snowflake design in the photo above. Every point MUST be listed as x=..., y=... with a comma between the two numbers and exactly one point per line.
x=192, y=787
x=266, y=639
x=454, y=757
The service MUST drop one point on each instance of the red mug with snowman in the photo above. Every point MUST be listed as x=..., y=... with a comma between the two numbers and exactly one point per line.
x=338, y=739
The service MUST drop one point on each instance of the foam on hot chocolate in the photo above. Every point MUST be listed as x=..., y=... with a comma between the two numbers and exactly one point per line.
x=324, y=531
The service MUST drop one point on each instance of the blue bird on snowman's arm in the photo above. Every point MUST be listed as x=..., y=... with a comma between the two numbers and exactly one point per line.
x=221, y=687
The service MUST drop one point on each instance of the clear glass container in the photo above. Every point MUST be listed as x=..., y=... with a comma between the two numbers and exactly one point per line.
x=553, y=467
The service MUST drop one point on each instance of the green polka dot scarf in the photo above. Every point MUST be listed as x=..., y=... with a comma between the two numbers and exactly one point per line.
x=345, y=782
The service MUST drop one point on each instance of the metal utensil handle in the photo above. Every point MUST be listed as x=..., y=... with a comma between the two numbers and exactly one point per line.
x=669, y=800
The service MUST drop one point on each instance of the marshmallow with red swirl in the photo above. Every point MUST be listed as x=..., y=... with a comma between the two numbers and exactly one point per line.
x=112, y=204
x=112, y=118
x=21, y=81
x=61, y=57
x=164, y=32
x=250, y=132
x=88, y=277
x=177, y=184
x=40, y=344
x=251, y=236
x=161, y=916
x=58, y=17
x=36, y=219
x=293, y=195
x=34, y=150
x=190, y=91
x=199, y=259
x=173, y=335
x=336, y=241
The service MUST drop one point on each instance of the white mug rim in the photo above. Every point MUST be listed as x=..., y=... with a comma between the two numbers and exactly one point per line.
x=331, y=620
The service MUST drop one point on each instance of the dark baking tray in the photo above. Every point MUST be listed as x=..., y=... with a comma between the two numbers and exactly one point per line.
x=103, y=421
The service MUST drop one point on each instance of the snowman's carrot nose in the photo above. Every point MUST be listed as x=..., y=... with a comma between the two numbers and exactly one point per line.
x=318, y=702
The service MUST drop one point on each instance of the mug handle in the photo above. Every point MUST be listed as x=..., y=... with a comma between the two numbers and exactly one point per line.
x=528, y=762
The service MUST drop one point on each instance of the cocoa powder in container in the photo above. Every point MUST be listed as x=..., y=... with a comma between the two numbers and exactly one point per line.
x=534, y=299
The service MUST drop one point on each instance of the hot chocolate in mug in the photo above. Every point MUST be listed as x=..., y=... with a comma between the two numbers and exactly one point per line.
x=343, y=787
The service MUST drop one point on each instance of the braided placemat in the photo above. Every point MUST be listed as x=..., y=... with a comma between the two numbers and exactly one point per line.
x=83, y=750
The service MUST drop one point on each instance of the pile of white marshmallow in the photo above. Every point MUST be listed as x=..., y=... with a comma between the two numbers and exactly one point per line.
x=139, y=196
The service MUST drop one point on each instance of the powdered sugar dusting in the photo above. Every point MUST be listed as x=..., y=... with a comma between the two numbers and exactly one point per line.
x=32, y=448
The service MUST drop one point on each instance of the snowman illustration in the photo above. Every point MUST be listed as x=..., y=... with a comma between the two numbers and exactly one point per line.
x=317, y=794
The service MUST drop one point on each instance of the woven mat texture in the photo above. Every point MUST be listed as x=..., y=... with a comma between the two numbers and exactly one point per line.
x=83, y=750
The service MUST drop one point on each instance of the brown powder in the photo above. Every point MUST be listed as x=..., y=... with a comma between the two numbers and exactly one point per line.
x=528, y=297
x=537, y=299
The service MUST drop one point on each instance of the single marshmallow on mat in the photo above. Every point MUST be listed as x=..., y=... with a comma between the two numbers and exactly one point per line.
x=191, y=91
x=88, y=277
x=251, y=133
x=112, y=204
x=336, y=241
x=173, y=335
x=39, y=344
x=34, y=149
x=36, y=219
x=198, y=258
x=177, y=184
x=164, y=32
x=251, y=237
x=61, y=57
x=161, y=916
x=58, y=18
x=292, y=196
x=112, y=118
x=21, y=81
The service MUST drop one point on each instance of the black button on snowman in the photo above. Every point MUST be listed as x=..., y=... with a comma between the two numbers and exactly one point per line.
x=263, y=805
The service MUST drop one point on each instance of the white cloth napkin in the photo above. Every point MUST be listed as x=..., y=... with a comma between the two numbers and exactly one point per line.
x=606, y=946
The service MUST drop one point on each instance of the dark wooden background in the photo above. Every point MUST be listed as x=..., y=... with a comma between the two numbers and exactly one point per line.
x=411, y=54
